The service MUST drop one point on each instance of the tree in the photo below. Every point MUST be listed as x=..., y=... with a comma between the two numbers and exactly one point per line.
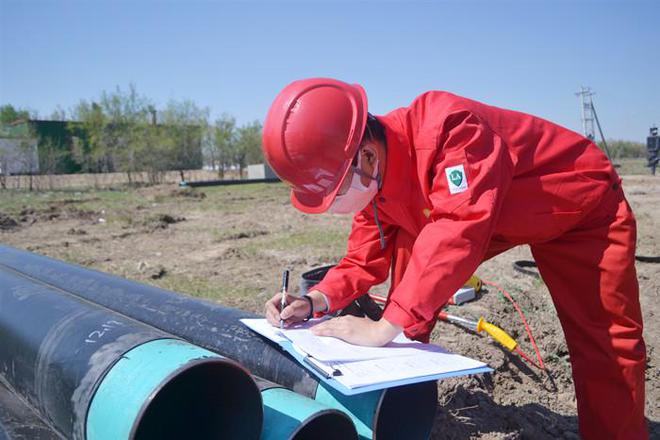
x=59, y=114
x=248, y=145
x=185, y=124
x=10, y=114
x=4, y=165
x=121, y=131
x=28, y=158
x=89, y=137
x=127, y=114
x=111, y=132
x=50, y=155
x=224, y=143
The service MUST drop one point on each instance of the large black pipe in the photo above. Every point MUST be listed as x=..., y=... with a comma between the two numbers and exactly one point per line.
x=18, y=421
x=92, y=373
x=383, y=415
x=202, y=183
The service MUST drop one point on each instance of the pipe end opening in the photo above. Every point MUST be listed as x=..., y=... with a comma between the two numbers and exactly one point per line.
x=407, y=412
x=326, y=425
x=211, y=398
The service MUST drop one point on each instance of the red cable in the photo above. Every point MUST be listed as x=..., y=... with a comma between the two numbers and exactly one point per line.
x=540, y=364
x=530, y=361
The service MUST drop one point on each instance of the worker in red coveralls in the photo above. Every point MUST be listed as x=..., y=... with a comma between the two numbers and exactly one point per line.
x=442, y=185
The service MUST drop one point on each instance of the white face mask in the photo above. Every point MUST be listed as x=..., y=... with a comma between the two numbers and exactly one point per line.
x=358, y=196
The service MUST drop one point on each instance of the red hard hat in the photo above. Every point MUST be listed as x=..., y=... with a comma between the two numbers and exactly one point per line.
x=311, y=134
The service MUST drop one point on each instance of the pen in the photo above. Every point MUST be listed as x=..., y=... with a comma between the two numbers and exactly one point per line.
x=319, y=370
x=285, y=287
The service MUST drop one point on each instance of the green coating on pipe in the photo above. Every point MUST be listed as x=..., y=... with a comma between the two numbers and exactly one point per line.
x=361, y=408
x=284, y=411
x=132, y=381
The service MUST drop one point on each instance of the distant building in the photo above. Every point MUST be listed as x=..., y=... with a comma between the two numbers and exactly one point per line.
x=260, y=171
x=51, y=141
x=18, y=156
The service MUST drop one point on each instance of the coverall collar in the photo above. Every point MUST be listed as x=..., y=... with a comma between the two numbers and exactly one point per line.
x=396, y=185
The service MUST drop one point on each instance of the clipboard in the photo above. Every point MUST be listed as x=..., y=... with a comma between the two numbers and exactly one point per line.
x=330, y=379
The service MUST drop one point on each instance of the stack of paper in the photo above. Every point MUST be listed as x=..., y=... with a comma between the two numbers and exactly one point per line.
x=400, y=362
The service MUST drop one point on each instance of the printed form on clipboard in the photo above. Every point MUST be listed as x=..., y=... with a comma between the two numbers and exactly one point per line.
x=353, y=369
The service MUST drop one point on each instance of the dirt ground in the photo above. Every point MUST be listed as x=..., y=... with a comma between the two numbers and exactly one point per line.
x=231, y=243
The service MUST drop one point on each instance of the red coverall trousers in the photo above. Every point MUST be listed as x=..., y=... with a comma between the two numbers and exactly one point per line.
x=590, y=272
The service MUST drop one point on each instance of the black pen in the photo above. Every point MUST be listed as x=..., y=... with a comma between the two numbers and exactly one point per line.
x=285, y=288
x=335, y=372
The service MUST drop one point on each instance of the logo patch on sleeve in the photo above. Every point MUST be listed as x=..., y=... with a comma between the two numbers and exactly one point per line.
x=456, y=179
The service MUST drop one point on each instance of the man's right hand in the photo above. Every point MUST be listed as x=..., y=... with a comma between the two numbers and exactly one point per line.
x=297, y=308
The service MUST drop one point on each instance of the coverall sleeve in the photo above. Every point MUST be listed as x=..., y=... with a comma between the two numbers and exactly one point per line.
x=364, y=265
x=449, y=249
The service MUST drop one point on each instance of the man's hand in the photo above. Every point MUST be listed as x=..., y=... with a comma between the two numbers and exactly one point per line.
x=358, y=331
x=297, y=309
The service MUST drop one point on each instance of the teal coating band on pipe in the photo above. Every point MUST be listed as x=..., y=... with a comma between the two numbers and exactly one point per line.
x=133, y=382
x=284, y=410
x=287, y=414
x=361, y=408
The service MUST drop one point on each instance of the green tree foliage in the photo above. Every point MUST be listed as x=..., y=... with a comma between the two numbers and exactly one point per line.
x=9, y=114
x=89, y=138
x=185, y=125
x=223, y=144
x=248, y=145
x=127, y=115
x=123, y=131
x=50, y=155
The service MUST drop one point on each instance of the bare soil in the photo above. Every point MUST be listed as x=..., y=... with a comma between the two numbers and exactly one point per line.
x=231, y=243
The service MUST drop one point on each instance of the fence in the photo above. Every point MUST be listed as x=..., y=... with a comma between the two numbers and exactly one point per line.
x=104, y=180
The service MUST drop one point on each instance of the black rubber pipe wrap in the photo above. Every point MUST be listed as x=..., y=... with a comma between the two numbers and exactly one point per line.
x=58, y=351
x=218, y=329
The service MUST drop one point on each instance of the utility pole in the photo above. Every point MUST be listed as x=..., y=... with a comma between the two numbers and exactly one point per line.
x=589, y=116
x=588, y=128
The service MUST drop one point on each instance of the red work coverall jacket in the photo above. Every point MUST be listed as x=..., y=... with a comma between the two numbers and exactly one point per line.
x=465, y=181
x=524, y=180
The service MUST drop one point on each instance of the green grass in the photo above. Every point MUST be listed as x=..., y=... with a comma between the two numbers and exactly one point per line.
x=227, y=294
x=241, y=198
x=13, y=201
x=632, y=167
x=324, y=243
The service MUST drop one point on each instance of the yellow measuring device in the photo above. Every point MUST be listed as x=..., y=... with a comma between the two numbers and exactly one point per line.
x=482, y=325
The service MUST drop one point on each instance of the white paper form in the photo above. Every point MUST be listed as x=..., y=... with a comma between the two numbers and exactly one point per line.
x=404, y=361
x=361, y=373
x=264, y=328
x=326, y=348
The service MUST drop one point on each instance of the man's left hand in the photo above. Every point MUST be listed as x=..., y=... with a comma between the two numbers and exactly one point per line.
x=358, y=331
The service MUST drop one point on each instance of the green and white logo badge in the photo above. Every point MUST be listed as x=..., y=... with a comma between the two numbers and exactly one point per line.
x=456, y=179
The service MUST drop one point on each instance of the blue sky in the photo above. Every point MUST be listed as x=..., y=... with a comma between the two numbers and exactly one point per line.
x=235, y=56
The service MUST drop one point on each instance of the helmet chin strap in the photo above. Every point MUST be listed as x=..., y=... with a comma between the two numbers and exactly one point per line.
x=381, y=234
